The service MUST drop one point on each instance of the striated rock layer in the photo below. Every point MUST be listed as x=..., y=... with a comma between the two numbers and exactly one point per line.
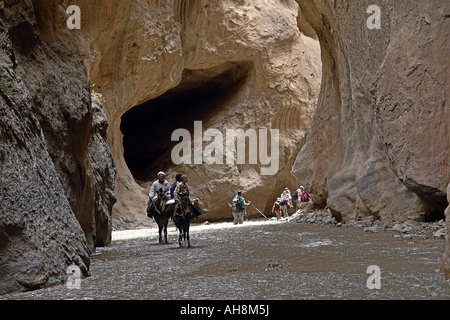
x=160, y=66
x=379, y=142
x=56, y=171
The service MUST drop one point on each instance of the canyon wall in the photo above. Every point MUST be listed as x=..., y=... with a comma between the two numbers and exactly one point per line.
x=160, y=66
x=445, y=266
x=56, y=171
x=373, y=141
x=379, y=142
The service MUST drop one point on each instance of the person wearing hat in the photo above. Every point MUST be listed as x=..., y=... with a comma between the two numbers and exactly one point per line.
x=181, y=192
x=304, y=196
x=159, y=187
x=174, y=185
x=297, y=195
x=285, y=202
x=238, y=208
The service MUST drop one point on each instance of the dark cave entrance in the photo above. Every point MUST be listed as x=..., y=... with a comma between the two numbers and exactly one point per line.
x=147, y=128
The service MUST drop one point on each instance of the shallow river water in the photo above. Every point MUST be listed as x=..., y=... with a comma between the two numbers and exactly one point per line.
x=260, y=260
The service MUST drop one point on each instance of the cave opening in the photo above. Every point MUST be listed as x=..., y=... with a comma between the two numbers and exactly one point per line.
x=147, y=128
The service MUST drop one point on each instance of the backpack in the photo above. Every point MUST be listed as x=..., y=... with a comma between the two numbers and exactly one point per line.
x=277, y=205
x=305, y=196
x=295, y=195
x=237, y=205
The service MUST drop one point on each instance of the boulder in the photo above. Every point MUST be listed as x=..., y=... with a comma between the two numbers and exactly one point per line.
x=375, y=229
x=440, y=234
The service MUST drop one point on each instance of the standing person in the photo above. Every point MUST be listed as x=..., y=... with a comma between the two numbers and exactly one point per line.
x=285, y=202
x=296, y=196
x=159, y=187
x=238, y=205
x=181, y=192
x=277, y=208
x=304, y=196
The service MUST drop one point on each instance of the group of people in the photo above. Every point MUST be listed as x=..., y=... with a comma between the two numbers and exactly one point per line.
x=179, y=191
x=280, y=207
x=161, y=189
x=284, y=202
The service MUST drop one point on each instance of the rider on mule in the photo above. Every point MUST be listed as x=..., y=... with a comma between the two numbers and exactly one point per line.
x=159, y=187
x=181, y=194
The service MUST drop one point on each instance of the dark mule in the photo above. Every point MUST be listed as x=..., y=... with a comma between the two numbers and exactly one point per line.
x=182, y=218
x=161, y=216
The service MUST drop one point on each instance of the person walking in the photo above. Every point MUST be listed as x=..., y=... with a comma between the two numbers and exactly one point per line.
x=285, y=202
x=277, y=208
x=304, y=196
x=238, y=208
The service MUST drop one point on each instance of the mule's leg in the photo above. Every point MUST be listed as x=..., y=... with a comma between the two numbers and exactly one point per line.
x=160, y=229
x=187, y=234
x=165, y=233
x=180, y=237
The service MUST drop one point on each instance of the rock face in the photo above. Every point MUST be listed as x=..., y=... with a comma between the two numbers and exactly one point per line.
x=379, y=142
x=445, y=267
x=377, y=146
x=56, y=171
x=231, y=65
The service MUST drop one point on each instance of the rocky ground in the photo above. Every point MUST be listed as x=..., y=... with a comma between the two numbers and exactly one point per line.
x=407, y=229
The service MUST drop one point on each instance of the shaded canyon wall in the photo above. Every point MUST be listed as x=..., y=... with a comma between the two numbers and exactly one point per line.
x=56, y=170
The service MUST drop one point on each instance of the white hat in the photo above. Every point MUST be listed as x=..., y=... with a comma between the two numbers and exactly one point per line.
x=161, y=173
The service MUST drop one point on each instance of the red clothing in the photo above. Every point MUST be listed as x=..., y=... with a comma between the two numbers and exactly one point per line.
x=305, y=197
x=275, y=207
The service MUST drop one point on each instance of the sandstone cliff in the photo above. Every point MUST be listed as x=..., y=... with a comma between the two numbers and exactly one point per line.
x=379, y=140
x=445, y=266
x=374, y=141
x=232, y=65
x=56, y=171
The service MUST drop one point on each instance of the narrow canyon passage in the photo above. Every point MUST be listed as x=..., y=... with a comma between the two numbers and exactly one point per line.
x=260, y=260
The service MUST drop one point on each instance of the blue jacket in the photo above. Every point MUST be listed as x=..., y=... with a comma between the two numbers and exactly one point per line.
x=172, y=188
